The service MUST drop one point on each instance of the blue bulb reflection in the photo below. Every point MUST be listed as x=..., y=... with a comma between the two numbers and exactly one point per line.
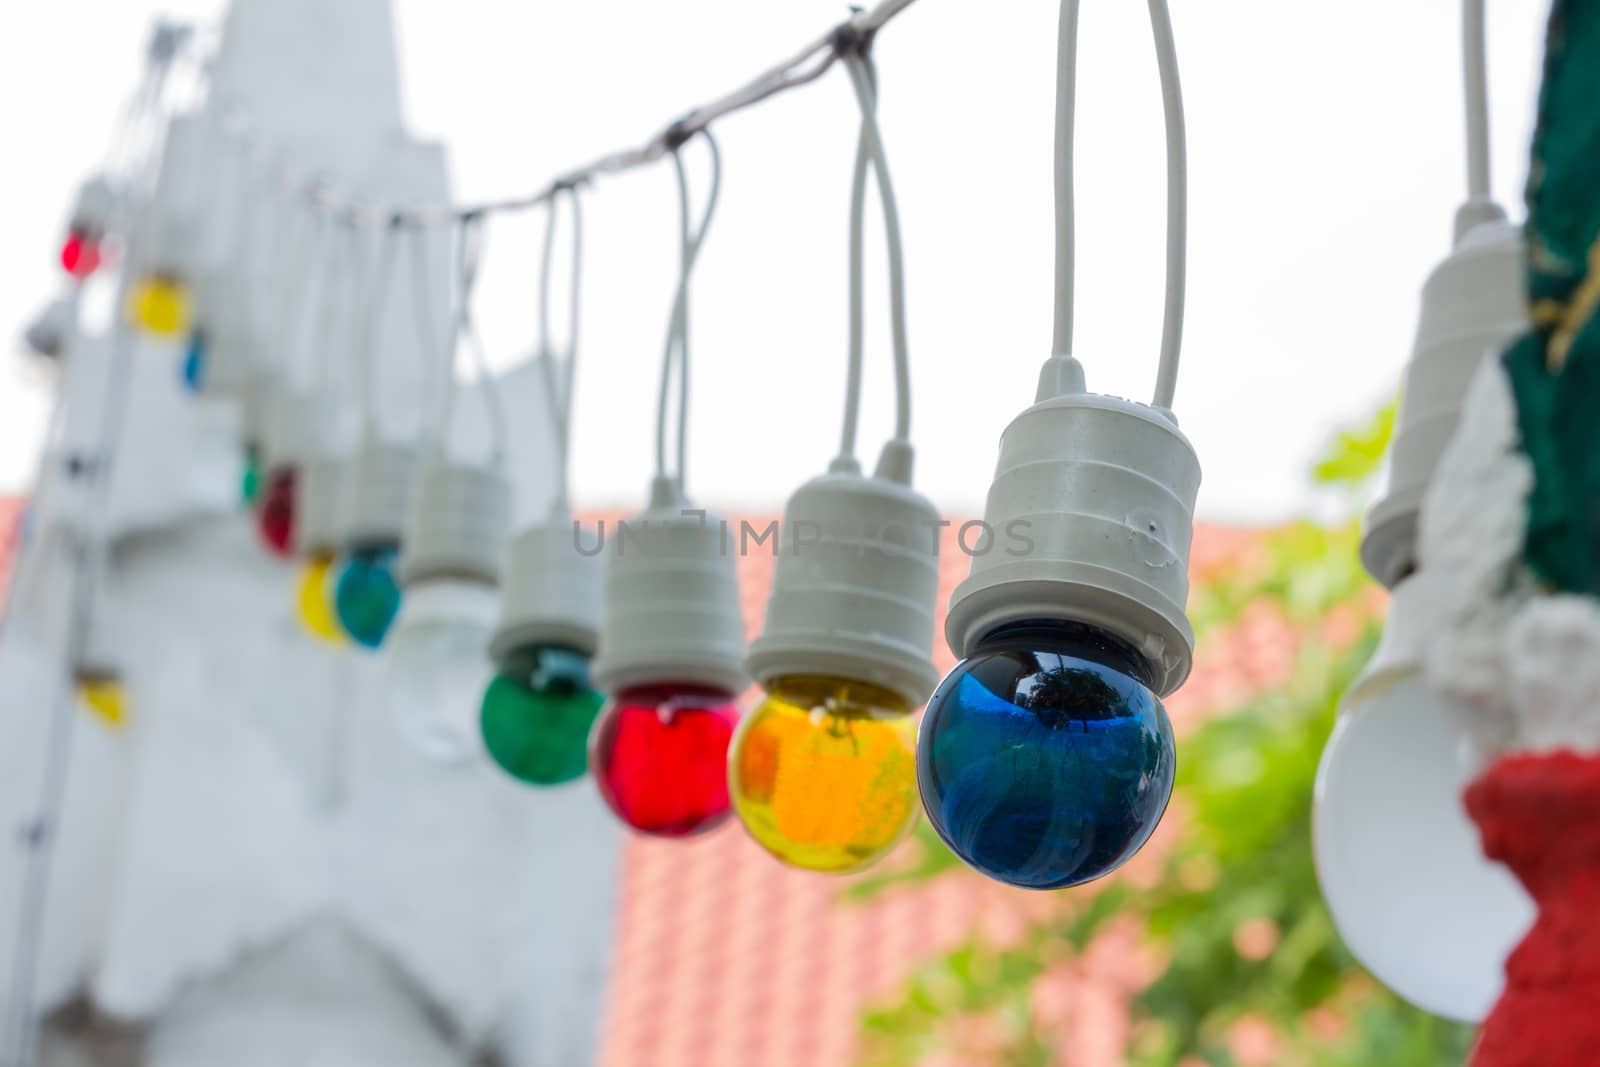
x=366, y=597
x=1044, y=759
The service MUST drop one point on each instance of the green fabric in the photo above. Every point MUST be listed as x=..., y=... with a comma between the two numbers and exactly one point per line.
x=1555, y=370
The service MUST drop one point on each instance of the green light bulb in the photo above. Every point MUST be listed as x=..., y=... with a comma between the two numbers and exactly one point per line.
x=250, y=480
x=537, y=713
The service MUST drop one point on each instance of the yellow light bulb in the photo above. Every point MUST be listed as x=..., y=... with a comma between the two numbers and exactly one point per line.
x=106, y=699
x=160, y=305
x=823, y=773
x=314, y=599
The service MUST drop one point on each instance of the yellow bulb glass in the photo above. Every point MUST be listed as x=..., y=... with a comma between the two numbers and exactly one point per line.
x=160, y=305
x=314, y=600
x=823, y=773
x=106, y=700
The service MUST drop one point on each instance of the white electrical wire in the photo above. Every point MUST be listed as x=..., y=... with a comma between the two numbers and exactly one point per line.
x=1177, y=205
x=559, y=394
x=370, y=333
x=1177, y=192
x=469, y=257
x=1475, y=55
x=852, y=389
x=1066, y=111
x=802, y=68
x=690, y=240
x=861, y=78
x=343, y=290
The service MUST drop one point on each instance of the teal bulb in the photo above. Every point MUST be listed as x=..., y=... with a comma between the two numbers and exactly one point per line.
x=537, y=713
x=367, y=596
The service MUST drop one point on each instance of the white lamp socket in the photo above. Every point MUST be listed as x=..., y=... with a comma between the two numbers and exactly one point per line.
x=377, y=494
x=91, y=212
x=856, y=582
x=1473, y=304
x=224, y=305
x=317, y=509
x=671, y=609
x=47, y=334
x=457, y=524
x=295, y=422
x=1090, y=518
x=551, y=594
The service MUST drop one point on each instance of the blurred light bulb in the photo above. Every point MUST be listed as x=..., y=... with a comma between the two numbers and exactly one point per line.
x=160, y=305
x=250, y=476
x=434, y=665
x=275, y=513
x=105, y=698
x=537, y=714
x=823, y=772
x=80, y=255
x=660, y=757
x=366, y=597
x=1045, y=759
x=194, y=362
x=1398, y=860
x=314, y=600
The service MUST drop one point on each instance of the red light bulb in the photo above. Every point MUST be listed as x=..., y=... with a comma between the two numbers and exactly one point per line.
x=660, y=756
x=80, y=256
x=275, y=517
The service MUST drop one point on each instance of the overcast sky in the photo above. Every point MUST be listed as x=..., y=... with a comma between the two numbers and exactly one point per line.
x=1326, y=163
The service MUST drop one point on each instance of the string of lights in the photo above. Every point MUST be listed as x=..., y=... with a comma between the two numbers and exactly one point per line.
x=854, y=36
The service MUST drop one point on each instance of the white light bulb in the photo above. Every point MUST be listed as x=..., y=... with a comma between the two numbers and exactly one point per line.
x=1399, y=861
x=437, y=657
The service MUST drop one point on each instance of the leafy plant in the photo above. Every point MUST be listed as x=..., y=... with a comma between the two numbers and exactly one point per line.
x=1234, y=912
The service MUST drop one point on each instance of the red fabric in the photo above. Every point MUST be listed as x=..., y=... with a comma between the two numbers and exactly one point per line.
x=1540, y=816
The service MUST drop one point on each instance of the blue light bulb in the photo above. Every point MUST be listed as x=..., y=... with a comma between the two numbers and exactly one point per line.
x=1045, y=760
x=194, y=362
x=367, y=596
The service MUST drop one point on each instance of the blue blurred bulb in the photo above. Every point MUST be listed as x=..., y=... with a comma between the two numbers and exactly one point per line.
x=1045, y=760
x=366, y=597
x=194, y=362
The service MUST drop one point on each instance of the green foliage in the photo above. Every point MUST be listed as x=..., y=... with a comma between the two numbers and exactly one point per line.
x=1356, y=454
x=1235, y=912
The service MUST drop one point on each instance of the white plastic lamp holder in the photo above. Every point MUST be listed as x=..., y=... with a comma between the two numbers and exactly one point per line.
x=317, y=507
x=295, y=422
x=47, y=334
x=551, y=594
x=1090, y=518
x=97, y=658
x=230, y=364
x=671, y=608
x=255, y=403
x=92, y=210
x=457, y=525
x=1473, y=304
x=377, y=494
x=183, y=185
x=856, y=583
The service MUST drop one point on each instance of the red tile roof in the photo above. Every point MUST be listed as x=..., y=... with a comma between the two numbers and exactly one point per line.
x=725, y=958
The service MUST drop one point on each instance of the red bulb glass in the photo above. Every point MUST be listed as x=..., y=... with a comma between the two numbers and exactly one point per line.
x=80, y=257
x=660, y=756
x=275, y=515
